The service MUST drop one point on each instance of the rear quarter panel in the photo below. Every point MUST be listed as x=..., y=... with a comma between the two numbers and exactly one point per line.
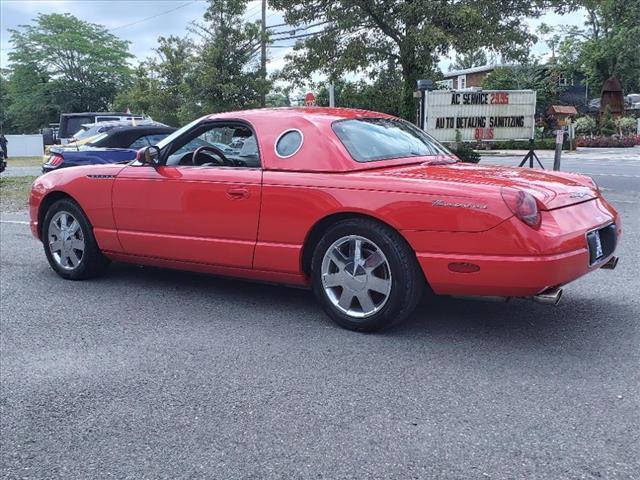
x=293, y=202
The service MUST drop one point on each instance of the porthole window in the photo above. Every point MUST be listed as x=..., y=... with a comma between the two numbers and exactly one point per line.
x=289, y=143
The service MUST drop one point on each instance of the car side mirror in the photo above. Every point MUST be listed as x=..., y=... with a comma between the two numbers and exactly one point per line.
x=149, y=156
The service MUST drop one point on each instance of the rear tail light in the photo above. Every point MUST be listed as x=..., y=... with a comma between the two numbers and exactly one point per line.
x=523, y=205
x=55, y=160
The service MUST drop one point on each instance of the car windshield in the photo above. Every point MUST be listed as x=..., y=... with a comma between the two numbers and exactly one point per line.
x=100, y=137
x=83, y=132
x=167, y=140
x=91, y=130
x=374, y=139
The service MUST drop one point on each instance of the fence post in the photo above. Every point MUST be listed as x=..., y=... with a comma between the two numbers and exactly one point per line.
x=559, y=140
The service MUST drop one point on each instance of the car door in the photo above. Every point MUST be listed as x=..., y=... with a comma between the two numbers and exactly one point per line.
x=204, y=212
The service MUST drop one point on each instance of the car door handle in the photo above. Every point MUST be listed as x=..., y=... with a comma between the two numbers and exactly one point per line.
x=238, y=193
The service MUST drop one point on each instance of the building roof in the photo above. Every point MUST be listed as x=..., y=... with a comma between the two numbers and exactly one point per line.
x=484, y=68
x=563, y=110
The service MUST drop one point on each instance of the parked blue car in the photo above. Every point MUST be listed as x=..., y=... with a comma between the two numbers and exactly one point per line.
x=119, y=144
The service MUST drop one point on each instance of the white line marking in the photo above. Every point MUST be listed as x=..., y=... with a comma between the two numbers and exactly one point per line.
x=613, y=175
x=16, y=222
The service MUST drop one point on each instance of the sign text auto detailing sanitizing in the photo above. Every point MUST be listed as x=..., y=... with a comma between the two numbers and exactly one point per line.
x=483, y=115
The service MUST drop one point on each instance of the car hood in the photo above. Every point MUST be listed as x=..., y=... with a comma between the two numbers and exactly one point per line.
x=551, y=189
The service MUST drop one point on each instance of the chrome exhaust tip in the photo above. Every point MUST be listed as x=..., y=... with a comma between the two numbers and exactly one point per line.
x=611, y=264
x=550, y=296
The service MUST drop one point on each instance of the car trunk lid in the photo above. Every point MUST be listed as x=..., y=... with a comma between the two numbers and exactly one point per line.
x=551, y=189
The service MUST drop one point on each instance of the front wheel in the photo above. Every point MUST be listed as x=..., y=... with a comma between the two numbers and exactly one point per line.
x=365, y=275
x=69, y=243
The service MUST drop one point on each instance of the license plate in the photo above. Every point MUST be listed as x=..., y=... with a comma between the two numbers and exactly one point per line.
x=598, y=244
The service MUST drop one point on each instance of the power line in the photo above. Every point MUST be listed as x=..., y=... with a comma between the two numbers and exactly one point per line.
x=152, y=17
x=278, y=25
x=249, y=13
x=305, y=35
x=295, y=29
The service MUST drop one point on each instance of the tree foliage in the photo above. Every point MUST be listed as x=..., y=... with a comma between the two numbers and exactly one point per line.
x=382, y=95
x=529, y=75
x=216, y=71
x=161, y=87
x=362, y=35
x=85, y=65
x=474, y=58
x=607, y=45
x=227, y=70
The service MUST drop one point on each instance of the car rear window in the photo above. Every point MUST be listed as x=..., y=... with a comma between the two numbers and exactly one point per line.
x=373, y=139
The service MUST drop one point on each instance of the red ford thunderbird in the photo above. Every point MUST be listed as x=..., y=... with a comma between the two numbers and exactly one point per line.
x=363, y=207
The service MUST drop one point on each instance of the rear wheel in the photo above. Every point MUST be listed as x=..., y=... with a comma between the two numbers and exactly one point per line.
x=69, y=243
x=365, y=275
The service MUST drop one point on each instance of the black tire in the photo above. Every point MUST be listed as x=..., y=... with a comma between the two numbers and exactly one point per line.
x=407, y=285
x=92, y=262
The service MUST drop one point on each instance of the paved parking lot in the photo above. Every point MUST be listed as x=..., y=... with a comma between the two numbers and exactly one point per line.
x=149, y=373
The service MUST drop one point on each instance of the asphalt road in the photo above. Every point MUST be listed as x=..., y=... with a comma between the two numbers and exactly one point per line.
x=616, y=170
x=149, y=373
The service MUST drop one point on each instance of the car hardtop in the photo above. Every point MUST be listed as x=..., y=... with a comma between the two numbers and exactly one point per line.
x=321, y=150
x=128, y=134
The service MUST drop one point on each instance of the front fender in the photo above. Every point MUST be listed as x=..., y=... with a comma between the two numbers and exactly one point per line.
x=90, y=187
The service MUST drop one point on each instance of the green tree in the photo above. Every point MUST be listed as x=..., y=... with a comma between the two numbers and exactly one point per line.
x=382, y=95
x=217, y=71
x=607, y=123
x=144, y=94
x=529, y=75
x=84, y=63
x=474, y=58
x=5, y=102
x=362, y=35
x=227, y=73
x=607, y=45
x=279, y=96
x=160, y=87
x=32, y=99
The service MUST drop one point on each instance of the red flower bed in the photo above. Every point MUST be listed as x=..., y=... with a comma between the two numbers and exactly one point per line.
x=600, y=141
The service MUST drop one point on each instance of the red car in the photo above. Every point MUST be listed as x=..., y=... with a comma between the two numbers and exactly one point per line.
x=363, y=207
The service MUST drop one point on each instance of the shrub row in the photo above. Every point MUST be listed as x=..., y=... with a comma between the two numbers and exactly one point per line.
x=608, y=142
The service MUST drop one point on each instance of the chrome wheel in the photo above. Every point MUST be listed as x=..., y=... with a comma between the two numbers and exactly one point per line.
x=356, y=276
x=66, y=240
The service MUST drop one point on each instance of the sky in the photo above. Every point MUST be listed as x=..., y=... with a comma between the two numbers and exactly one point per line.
x=143, y=21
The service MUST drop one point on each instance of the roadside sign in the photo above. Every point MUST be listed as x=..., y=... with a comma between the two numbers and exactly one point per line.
x=480, y=115
x=310, y=99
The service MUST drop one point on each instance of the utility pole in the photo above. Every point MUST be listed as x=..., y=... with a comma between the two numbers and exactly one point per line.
x=263, y=53
x=332, y=95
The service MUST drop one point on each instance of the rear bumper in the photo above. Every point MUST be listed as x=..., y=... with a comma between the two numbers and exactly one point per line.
x=507, y=276
x=513, y=260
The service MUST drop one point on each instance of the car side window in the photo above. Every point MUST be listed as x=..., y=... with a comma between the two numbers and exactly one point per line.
x=288, y=143
x=154, y=138
x=139, y=143
x=216, y=145
x=147, y=140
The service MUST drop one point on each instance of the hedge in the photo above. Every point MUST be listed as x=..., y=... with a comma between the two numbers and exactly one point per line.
x=608, y=142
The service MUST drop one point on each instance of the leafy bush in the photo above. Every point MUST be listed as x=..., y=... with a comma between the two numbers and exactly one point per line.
x=607, y=124
x=626, y=125
x=539, y=144
x=608, y=142
x=585, y=125
x=465, y=153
